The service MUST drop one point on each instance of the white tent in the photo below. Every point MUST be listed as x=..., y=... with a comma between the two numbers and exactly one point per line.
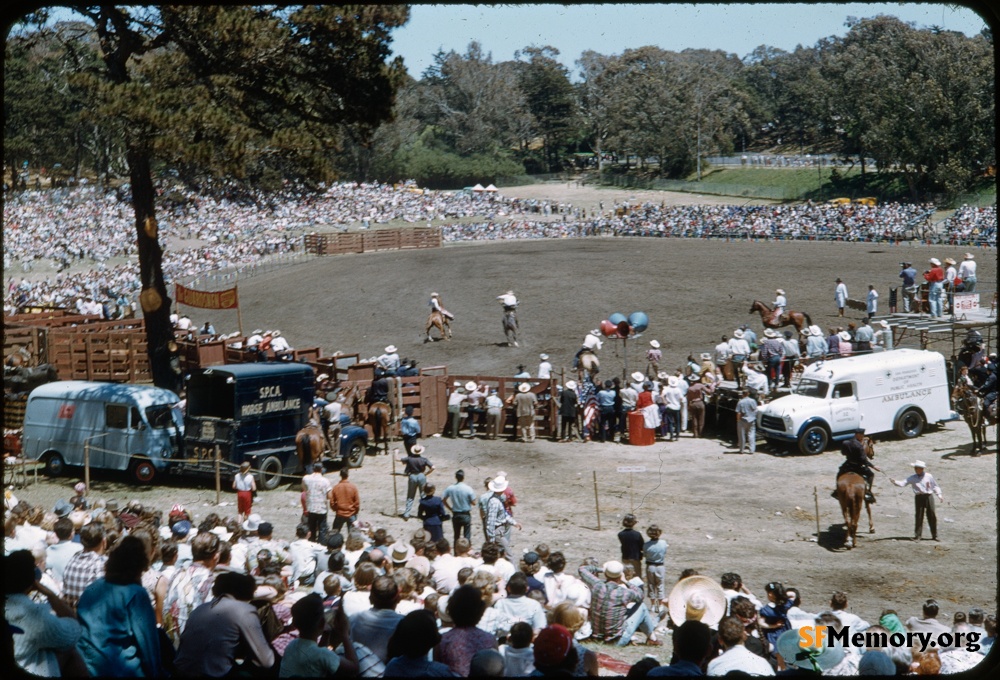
x=490, y=188
x=478, y=187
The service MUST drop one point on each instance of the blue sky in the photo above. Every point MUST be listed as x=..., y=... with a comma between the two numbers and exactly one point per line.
x=613, y=28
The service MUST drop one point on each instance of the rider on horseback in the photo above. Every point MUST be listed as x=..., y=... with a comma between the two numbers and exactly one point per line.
x=856, y=453
x=508, y=301
x=591, y=344
x=436, y=306
x=379, y=391
x=779, y=305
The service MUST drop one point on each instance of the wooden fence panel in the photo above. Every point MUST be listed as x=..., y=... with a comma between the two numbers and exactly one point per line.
x=29, y=342
x=374, y=240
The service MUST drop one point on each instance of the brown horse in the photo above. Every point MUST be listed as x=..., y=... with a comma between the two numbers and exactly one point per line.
x=310, y=445
x=970, y=405
x=439, y=321
x=851, y=489
x=378, y=420
x=789, y=318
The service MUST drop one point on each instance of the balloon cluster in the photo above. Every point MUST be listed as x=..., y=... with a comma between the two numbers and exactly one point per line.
x=618, y=325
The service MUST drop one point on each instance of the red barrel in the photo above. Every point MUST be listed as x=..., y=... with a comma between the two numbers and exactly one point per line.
x=638, y=433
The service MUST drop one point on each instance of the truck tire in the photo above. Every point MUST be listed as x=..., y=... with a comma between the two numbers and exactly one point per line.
x=142, y=471
x=910, y=424
x=356, y=455
x=270, y=473
x=814, y=440
x=55, y=465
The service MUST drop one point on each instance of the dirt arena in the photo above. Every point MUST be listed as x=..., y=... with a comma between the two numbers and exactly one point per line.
x=721, y=511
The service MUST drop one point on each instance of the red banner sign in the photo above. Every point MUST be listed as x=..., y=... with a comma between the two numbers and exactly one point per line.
x=222, y=299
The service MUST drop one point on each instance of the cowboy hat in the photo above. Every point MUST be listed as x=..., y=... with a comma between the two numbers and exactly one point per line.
x=673, y=381
x=780, y=292
x=323, y=376
x=844, y=335
x=471, y=385
x=919, y=464
x=970, y=256
x=662, y=375
x=948, y=260
x=62, y=508
x=509, y=292
x=738, y=333
x=252, y=522
x=498, y=485
x=400, y=552
x=883, y=323
x=596, y=332
x=570, y=385
x=770, y=333
x=257, y=332
x=638, y=376
x=655, y=344
x=417, y=450
x=815, y=330
x=435, y=295
x=543, y=356
x=390, y=349
x=221, y=532
x=934, y=261
x=613, y=569
x=697, y=598
x=705, y=356
x=809, y=658
x=523, y=387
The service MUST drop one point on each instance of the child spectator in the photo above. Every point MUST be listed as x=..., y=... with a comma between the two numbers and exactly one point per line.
x=518, y=654
x=631, y=543
x=655, y=552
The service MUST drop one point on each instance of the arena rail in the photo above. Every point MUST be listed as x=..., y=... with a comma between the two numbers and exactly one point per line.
x=373, y=240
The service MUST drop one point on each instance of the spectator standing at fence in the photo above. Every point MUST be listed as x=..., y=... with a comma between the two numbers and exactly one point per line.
x=494, y=415
x=568, y=410
x=459, y=498
x=950, y=275
x=935, y=286
x=746, y=422
x=967, y=272
x=790, y=358
x=416, y=470
x=720, y=356
x=280, y=346
x=909, y=276
x=863, y=338
x=524, y=405
x=840, y=296
x=409, y=428
x=544, y=367
x=345, y=501
x=318, y=500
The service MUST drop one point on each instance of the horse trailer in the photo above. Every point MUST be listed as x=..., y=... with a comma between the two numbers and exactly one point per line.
x=898, y=391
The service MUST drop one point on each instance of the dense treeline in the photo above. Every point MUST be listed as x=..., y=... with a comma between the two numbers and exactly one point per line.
x=920, y=102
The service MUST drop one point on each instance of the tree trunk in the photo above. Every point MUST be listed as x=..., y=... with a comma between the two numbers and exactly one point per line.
x=154, y=300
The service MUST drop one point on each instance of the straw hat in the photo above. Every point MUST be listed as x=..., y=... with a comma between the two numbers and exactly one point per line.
x=705, y=356
x=543, y=357
x=655, y=344
x=221, y=532
x=417, y=450
x=471, y=385
x=252, y=522
x=390, y=349
x=919, y=464
x=638, y=376
x=738, y=334
x=401, y=552
x=844, y=335
x=523, y=387
x=770, y=333
x=697, y=598
x=970, y=256
x=498, y=485
x=934, y=261
x=780, y=292
x=570, y=385
x=948, y=260
x=595, y=332
x=815, y=330
x=613, y=569
x=435, y=295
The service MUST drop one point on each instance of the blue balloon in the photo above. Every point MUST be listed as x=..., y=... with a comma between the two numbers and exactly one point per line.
x=617, y=318
x=639, y=321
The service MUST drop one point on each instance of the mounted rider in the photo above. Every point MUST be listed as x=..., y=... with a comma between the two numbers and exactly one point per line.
x=436, y=306
x=780, y=303
x=389, y=361
x=591, y=343
x=379, y=390
x=856, y=453
x=508, y=301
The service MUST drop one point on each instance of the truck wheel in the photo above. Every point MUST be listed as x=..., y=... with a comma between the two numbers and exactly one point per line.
x=142, y=471
x=270, y=473
x=54, y=464
x=356, y=455
x=814, y=440
x=910, y=424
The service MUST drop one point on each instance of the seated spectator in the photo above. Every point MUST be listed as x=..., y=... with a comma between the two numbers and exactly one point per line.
x=372, y=628
x=518, y=654
x=458, y=645
x=220, y=630
x=487, y=663
x=555, y=655
x=571, y=617
x=793, y=659
x=692, y=650
x=414, y=637
x=928, y=623
x=304, y=657
x=46, y=645
x=838, y=607
x=517, y=606
x=735, y=656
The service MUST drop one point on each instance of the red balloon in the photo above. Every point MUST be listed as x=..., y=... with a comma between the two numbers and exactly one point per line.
x=608, y=328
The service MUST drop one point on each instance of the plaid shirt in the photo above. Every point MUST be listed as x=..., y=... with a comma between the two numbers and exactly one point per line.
x=609, y=604
x=189, y=588
x=82, y=569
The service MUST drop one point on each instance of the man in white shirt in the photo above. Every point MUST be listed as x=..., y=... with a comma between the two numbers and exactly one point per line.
x=838, y=607
x=279, y=345
x=739, y=351
x=318, y=497
x=720, y=356
x=305, y=555
x=967, y=272
x=736, y=656
x=390, y=360
x=517, y=606
x=446, y=568
x=57, y=555
x=925, y=487
x=544, y=368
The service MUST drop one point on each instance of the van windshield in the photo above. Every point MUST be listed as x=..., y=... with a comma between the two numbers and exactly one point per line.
x=160, y=416
x=813, y=388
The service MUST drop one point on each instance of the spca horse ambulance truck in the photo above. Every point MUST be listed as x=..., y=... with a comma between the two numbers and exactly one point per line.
x=898, y=391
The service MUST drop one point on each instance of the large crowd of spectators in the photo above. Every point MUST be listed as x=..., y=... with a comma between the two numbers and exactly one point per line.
x=87, y=233
x=95, y=588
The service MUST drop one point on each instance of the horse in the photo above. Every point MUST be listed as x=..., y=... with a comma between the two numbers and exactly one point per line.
x=439, y=321
x=851, y=488
x=510, y=327
x=310, y=445
x=378, y=420
x=968, y=403
x=588, y=363
x=789, y=318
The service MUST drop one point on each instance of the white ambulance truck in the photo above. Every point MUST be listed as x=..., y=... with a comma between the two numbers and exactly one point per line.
x=901, y=390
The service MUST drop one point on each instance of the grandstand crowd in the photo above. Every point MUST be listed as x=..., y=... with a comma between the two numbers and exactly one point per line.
x=93, y=587
x=87, y=233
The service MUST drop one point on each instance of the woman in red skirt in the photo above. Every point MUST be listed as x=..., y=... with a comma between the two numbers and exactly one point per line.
x=244, y=484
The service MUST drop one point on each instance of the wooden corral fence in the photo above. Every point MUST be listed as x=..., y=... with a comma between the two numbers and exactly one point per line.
x=428, y=394
x=201, y=351
x=369, y=241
